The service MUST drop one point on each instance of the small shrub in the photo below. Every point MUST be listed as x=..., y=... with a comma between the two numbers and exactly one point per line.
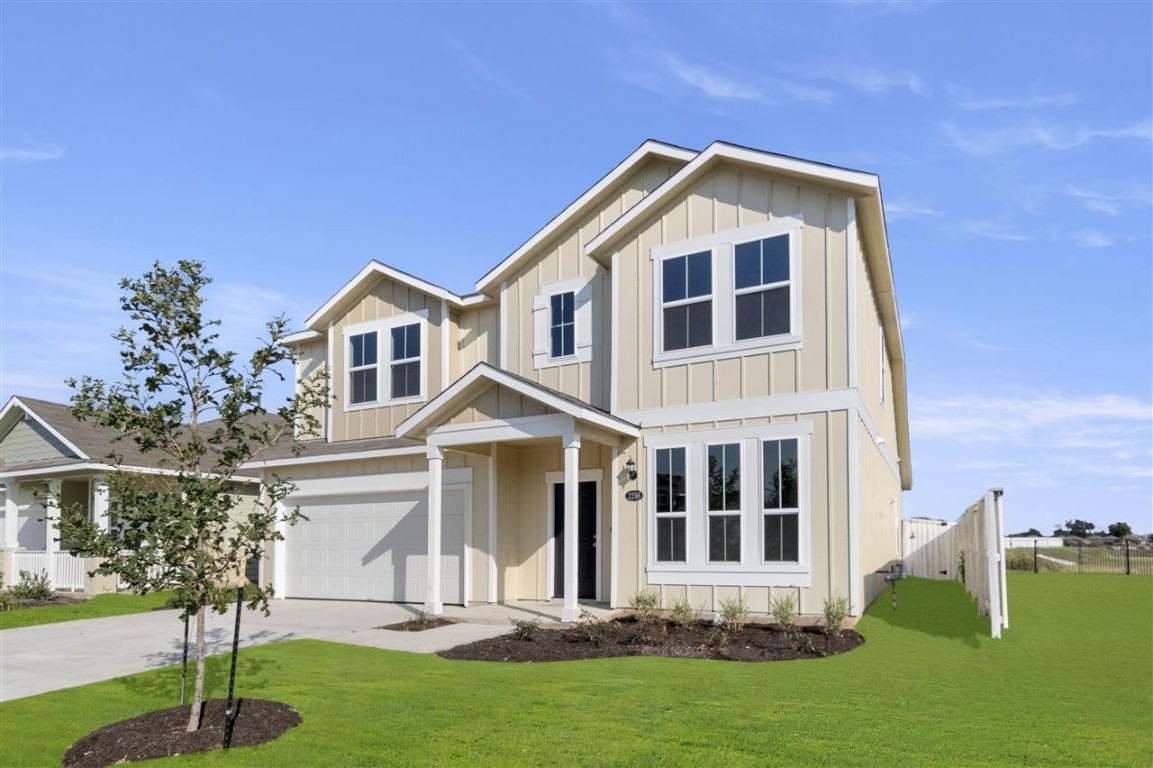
x=591, y=628
x=785, y=609
x=526, y=629
x=32, y=587
x=734, y=614
x=836, y=611
x=646, y=602
x=420, y=621
x=683, y=614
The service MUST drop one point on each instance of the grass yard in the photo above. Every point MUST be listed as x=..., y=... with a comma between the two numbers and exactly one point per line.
x=96, y=608
x=1070, y=684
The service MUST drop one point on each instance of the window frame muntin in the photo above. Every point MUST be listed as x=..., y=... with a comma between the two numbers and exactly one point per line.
x=739, y=513
x=383, y=328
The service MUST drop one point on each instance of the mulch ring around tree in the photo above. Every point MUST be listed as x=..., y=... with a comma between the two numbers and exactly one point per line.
x=162, y=733
x=419, y=624
x=628, y=636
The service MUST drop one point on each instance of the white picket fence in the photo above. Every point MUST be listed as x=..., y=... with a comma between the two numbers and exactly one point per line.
x=971, y=550
x=66, y=571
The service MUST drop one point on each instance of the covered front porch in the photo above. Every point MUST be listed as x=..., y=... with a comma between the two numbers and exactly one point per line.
x=555, y=468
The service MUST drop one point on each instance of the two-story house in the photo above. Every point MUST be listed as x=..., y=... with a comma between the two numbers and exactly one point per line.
x=691, y=379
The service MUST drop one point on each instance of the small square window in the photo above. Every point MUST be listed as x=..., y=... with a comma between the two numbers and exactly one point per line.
x=562, y=324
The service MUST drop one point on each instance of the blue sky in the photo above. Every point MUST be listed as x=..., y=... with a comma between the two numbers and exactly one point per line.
x=288, y=144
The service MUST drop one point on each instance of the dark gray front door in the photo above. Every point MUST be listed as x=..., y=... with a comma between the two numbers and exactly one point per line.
x=586, y=545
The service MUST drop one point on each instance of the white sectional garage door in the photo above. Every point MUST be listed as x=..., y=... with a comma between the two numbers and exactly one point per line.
x=373, y=547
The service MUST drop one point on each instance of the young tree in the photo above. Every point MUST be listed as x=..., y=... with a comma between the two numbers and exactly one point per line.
x=187, y=528
x=1120, y=530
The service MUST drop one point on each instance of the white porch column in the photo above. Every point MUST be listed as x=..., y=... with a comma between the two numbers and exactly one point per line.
x=11, y=516
x=52, y=526
x=492, y=573
x=100, y=505
x=433, y=605
x=572, y=447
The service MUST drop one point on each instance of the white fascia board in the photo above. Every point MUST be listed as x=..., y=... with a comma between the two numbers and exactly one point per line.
x=329, y=458
x=375, y=269
x=645, y=151
x=855, y=182
x=15, y=402
x=94, y=466
x=301, y=336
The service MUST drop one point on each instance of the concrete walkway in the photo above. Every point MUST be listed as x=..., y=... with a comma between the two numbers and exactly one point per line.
x=36, y=660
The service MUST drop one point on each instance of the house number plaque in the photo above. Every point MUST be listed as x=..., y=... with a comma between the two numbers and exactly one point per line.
x=634, y=496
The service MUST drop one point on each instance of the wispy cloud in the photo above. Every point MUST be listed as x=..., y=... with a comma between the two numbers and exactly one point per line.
x=908, y=319
x=483, y=70
x=30, y=152
x=711, y=82
x=986, y=346
x=967, y=100
x=904, y=209
x=1112, y=203
x=1041, y=136
x=994, y=230
x=867, y=79
x=1091, y=238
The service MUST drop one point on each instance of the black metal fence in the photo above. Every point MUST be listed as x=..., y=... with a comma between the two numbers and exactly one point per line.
x=1081, y=556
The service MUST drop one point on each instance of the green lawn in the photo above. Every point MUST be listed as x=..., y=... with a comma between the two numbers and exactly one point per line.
x=98, y=607
x=1071, y=683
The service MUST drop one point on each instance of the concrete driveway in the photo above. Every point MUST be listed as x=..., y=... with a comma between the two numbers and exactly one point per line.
x=46, y=658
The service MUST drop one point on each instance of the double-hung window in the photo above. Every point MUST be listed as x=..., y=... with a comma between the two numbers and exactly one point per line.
x=562, y=325
x=671, y=504
x=362, y=368
x=781, y=507
x=404, y=362
x=727, y=294
x=724, y=510
x=687, y=301
x=761, y=272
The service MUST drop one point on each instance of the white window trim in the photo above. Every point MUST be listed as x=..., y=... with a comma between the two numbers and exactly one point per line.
x=552, y=479
x=721, y=244
x=751, y=571
x=383, y=329
x=581, y=289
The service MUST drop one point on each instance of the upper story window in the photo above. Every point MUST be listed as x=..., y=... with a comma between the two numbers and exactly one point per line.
x=562, y=320
x=404, y=361
x=729, y=293
x=761, y=269
x=562, y=325
x=386, y=361
x=362, y=368
x=687, y=301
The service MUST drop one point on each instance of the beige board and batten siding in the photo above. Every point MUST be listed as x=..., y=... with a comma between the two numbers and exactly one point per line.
x=728, y=199
x=384, y=300
x=869, y=356
x=499, y=403
x=523, y=548
x=562, y=258
x=828, y=511
x=879, y=510
x=312, y=363
x=476, y=538
x=478, y=339
x=29, y=441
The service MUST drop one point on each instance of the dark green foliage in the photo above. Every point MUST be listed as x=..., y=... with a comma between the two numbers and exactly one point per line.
x=1120, y=530
x=32, y=586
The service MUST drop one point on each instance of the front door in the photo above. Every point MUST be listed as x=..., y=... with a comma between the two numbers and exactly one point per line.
x=586, y=544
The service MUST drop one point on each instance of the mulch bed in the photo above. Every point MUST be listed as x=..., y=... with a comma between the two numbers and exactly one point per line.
x=626, y=636
x=419, y=625
x=57, y=599
x=162, y=734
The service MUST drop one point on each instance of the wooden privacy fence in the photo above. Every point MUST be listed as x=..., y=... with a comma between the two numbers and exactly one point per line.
x=971, y=550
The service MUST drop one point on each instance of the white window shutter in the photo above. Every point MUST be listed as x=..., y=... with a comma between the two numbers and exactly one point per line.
x=539, y=330
x=583, y=312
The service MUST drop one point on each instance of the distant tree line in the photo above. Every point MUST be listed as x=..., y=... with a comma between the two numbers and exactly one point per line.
x=1080, y=529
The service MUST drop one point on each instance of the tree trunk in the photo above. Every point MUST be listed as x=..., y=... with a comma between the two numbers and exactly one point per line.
x=198, y=688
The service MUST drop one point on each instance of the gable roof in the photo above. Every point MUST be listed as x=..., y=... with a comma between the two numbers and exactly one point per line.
x=350, y=291
x=864, y=188
x=481, y=377
x=645, y=152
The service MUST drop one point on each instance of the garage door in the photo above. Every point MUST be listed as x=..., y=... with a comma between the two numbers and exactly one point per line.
x=373, y=547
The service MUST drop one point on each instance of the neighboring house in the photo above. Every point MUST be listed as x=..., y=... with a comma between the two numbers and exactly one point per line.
x=692, y=379
x=51, y=463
